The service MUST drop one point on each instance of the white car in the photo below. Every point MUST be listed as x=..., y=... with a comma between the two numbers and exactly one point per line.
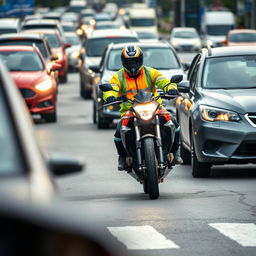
x=185, y=39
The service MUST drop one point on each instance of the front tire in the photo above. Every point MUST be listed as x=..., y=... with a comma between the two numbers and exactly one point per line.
x=151, y=164
x=199, y=170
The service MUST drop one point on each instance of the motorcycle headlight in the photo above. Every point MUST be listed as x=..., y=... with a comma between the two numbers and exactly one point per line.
x=213, y=114
x=44, y=86
x=146, y=111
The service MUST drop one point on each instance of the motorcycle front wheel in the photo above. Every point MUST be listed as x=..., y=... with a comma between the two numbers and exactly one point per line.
x=151, y=165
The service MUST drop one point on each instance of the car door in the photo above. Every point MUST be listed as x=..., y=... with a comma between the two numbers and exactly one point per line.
x=186, y=102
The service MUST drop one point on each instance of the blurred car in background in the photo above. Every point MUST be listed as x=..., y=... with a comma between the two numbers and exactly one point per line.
x=96, y=43
x=58, y=48
x=24, y=171
x=87, y=13
x=185, y=39
x=158, y=55
x=9, y=25
x=236, y=37
x=74, y=52
x=147, y=37
x=107, y=25
x=71, y=17
x=44, y=24
x=68, y=26
x=102, y=17
x=217, y=114
x=36, y=83
x=52, y=16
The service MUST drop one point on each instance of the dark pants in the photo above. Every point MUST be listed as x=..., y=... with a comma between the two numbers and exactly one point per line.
x=121, y=150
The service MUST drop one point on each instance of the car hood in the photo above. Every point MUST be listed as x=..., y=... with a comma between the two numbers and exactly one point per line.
x=168, y=73
x=28, y=79
x=240, y=101
x=92, y=61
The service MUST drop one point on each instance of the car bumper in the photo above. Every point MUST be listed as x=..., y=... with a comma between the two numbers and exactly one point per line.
x=41, y=103
x=225, y=142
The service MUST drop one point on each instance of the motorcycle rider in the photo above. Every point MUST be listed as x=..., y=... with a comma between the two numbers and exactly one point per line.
x=128, y=81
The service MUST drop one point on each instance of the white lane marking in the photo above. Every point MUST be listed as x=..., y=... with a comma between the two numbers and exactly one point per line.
x=243, y=233
x=142, y=238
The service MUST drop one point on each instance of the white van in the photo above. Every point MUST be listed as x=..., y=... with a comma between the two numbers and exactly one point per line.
x=143, y=20
x=215, y=26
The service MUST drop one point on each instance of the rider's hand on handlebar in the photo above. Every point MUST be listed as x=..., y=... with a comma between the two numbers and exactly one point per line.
x=111, y=99
x=173, y=92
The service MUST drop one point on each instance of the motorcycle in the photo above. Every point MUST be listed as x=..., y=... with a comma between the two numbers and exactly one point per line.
x=144, y=126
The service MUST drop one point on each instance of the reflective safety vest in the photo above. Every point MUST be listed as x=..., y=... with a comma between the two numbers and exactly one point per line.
x=148, y=80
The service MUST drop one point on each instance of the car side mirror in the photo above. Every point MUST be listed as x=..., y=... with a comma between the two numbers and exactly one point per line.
x=184, y=86
x=60, y=165
x=95, y=69
x=176, y=79
x=55, y=67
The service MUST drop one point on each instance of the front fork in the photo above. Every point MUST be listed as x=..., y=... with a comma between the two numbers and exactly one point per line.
x=158, y=143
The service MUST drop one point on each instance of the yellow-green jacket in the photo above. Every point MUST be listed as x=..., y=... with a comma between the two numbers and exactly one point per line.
x=147, y=81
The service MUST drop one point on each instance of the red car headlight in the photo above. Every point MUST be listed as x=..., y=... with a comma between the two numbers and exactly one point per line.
x=44, y=86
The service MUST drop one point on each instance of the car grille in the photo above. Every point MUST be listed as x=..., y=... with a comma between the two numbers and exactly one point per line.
x=246, y=149
x=27, y=93
x=251, y=118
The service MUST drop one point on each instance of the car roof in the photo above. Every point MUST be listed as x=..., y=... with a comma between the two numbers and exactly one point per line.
x=20, y=36
x=10, y=22
x=112, y=33
x=184, y=29
x=142, y=45
x=230, y=51
x=239, y=31
x=26, y=48
x=41, y=21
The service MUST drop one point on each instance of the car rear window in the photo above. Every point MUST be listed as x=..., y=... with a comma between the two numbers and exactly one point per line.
x=53, y=40
x=39, y=44
x=22, y=60
x=158, y=58
x=95, y=47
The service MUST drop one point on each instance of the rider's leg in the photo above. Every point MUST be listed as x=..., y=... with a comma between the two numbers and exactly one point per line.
x=120, y=148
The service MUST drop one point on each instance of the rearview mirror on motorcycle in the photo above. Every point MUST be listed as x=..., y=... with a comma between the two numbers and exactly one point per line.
x=106, y=87
x=176, y=79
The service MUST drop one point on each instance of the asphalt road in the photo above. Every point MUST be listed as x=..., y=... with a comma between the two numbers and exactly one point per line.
x=213, y=216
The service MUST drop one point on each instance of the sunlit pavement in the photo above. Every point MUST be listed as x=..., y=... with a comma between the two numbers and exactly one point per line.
x=214, y=216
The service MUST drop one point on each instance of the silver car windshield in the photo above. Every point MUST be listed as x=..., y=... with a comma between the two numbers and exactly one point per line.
x=236, y=72
x=158, y=58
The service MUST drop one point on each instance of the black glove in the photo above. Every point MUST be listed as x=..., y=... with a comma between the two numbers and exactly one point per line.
x=110, y=99
x=173, y=92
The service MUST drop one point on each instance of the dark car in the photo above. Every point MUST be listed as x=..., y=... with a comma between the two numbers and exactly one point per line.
x=217, y=116
x=24, y=171
x=95, y=45
x=159, y=55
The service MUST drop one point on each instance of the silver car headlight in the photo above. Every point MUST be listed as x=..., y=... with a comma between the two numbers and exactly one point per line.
x=146, y=111
x=213, y=114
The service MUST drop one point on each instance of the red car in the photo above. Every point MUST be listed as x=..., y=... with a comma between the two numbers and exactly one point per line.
x=237, y=37
x=58, y=47
x=33, y=78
